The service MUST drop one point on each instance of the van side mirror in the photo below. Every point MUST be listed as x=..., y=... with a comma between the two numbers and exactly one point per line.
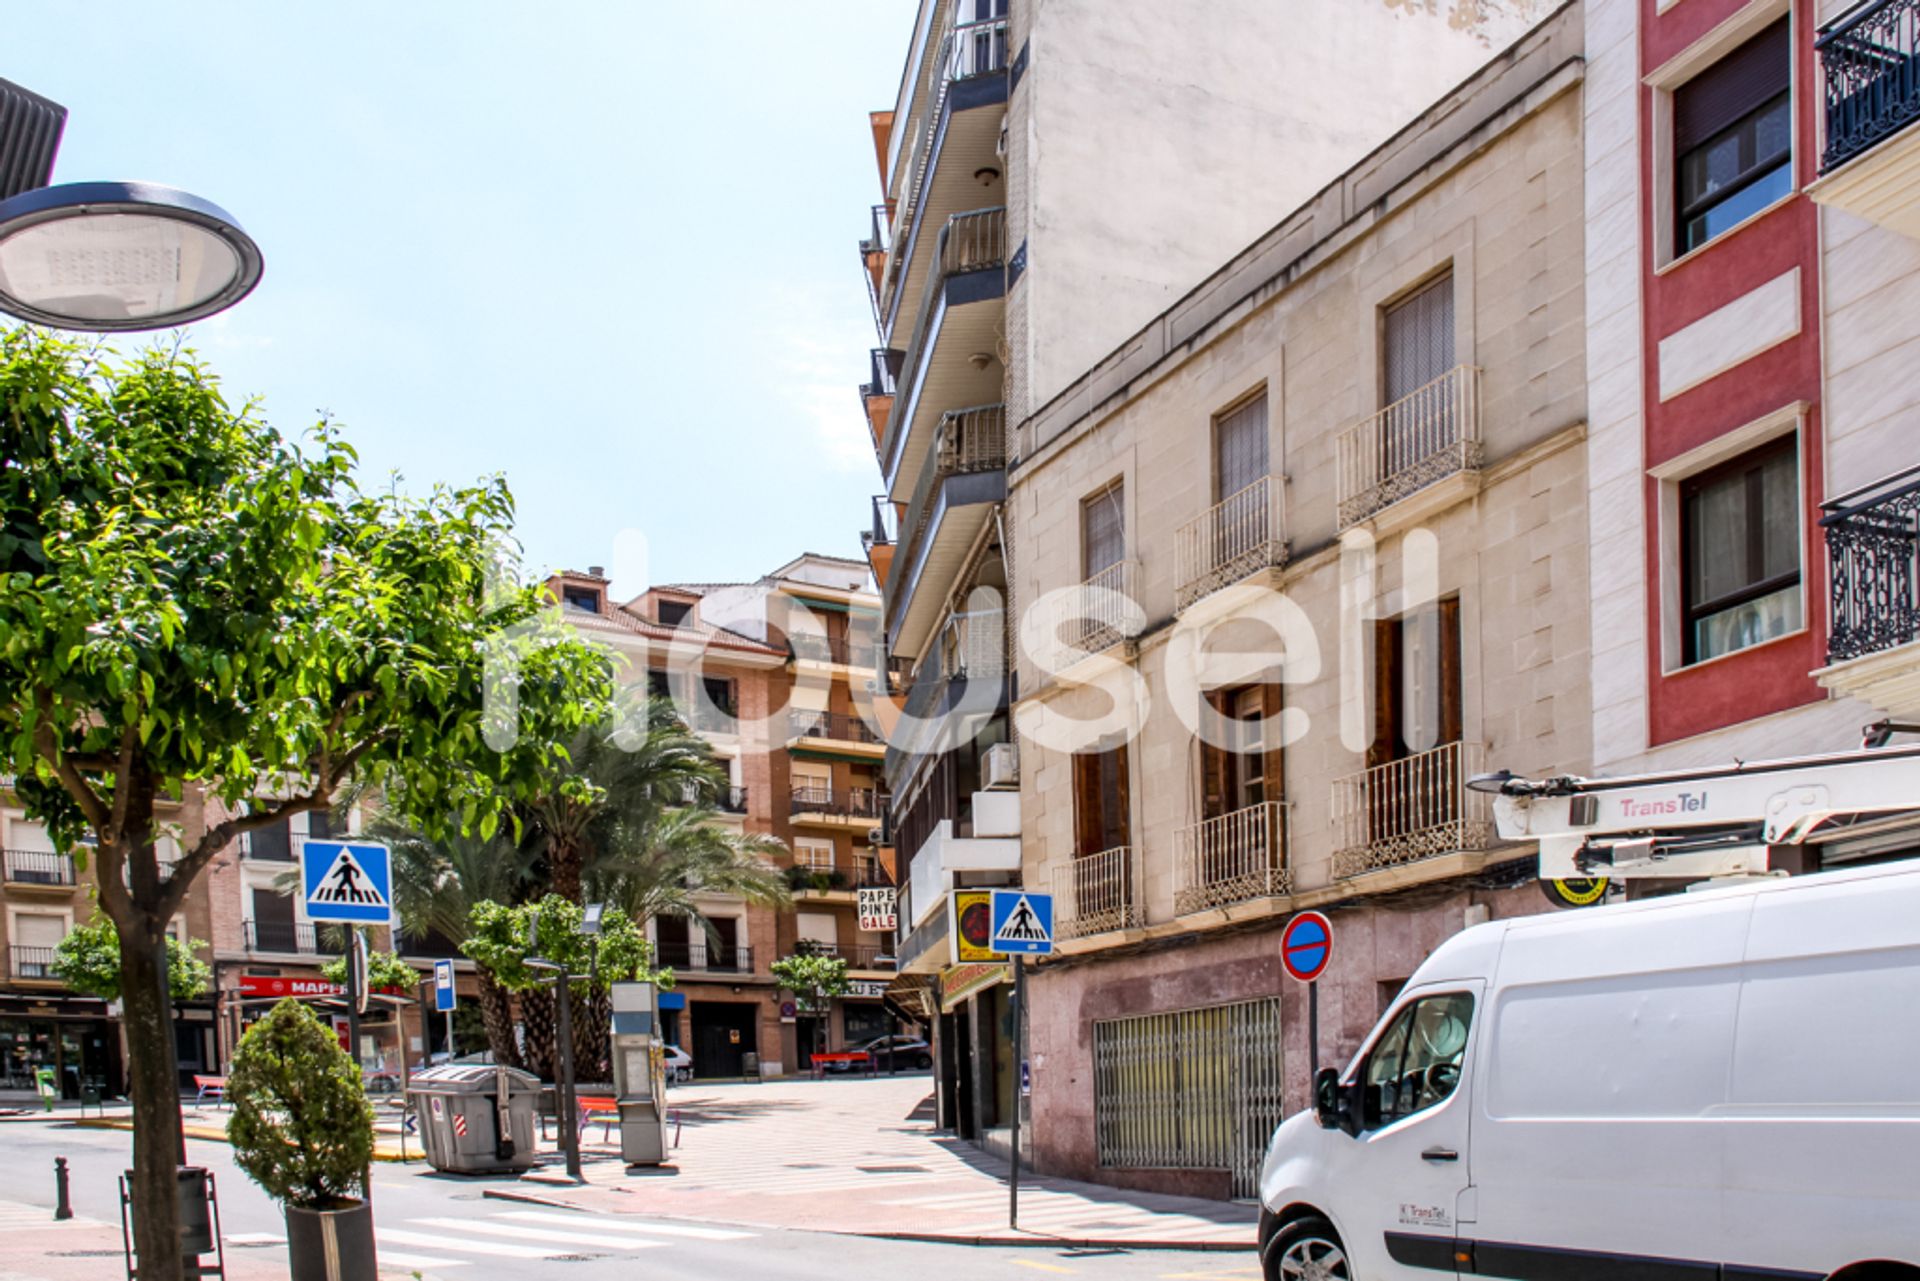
x=1329, y=1100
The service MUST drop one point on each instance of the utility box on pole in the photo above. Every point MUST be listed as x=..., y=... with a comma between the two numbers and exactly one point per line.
x=639, y=1076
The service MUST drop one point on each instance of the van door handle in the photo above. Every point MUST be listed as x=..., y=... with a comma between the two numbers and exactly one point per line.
x=1439, y=1154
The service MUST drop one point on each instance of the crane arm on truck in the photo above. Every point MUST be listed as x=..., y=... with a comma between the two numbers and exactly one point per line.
x=1699, y=822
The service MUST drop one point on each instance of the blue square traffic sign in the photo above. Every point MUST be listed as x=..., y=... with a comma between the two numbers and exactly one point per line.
x=1022, y=923
x=348, y=881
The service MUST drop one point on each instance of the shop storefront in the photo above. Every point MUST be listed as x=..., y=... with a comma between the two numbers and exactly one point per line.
x=72, y=1036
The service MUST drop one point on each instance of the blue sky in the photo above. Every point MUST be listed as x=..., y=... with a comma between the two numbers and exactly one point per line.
x=606, y=249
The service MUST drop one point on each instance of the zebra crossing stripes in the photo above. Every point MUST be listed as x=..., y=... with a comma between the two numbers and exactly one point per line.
x=18, y=1214
x=433, y=1243
x=652, y=1229
x=570, y=1237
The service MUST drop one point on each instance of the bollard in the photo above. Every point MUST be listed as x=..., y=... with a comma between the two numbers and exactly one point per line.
x=62, y=1207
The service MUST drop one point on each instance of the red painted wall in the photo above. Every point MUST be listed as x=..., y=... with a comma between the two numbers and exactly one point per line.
x=1772, y=677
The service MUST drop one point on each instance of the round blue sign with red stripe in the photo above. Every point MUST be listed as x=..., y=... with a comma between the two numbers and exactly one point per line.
x=1306, y=945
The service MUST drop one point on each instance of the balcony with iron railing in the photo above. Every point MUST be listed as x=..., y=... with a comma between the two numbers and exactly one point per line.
x=1428, y=436
x=700, y=956
x=973, y=645
x=1233, y=858
x=873, y=259
x=836, y=648
x=844, y=803
x=1873, y=537
x=1415, y=808
x=732, y=800
x=1098, y=894
x=1238, y=537
x=1870, y=75
x=39, y=869
x=952, y=498
x=291, y=938
x=841, y=727
x=949, y=113
x=1106, y=612
x=32, y=964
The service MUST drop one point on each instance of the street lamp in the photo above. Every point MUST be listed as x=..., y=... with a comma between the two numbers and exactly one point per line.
x=118, y=257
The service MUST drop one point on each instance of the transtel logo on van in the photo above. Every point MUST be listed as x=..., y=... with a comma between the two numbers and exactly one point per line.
x=1684, y=803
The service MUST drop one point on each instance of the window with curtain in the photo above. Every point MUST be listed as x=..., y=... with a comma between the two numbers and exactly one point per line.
x=1740, y=552
x=1239, y=448
x=1733, y=138
x=1103, y=538
x=1419, y=339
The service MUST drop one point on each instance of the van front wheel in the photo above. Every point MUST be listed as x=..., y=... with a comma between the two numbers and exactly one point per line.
x=1307, y=1250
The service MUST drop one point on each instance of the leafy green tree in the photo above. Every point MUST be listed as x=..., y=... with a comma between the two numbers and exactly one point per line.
x=815, y=979
x=190, y=601
x=302, y=1127
x=88, y=961
x=384, y=970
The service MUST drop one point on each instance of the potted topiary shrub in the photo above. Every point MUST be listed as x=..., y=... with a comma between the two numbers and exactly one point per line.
x=303, y=1130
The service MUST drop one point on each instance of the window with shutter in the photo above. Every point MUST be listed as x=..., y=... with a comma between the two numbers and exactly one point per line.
x=1102, y=530
x=1417, y=703
x=1239, y=448
x=1100, y=801
x=1419, y=339
x=1733, y=138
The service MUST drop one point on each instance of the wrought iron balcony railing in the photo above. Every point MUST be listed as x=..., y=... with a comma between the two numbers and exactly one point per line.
x=838, y=648
x=39, y=867
x=966, y=441
x=1429, y=434
x=853, y=802
x=733, y=800
x=34, y=963
x=1871, y=544
x=1233, y=858
x=1870, y=63
x=297, y=938
x=883, y=367
x=843, y=726
x=715, y=958
x=1105, y=611
x=973, y=645
x=1410, y=809
x=1239, y=536
x=971, y=241
x=1098, y=893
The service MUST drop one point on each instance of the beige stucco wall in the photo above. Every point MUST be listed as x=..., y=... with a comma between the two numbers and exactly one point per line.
x=1145, y=146
x=1507, y=215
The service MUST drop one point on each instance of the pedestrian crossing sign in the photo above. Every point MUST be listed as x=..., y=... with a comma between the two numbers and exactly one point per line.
x=347, y=881
x=1022, y=923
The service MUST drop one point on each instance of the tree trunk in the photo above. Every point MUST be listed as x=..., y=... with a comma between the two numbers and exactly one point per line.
x=153, y=1082
x=592, y=1034
x=536, y=1011
x=496, y=1013
x=565, y=865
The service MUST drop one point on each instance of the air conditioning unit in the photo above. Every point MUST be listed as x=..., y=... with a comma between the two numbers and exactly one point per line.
x=1000, y=771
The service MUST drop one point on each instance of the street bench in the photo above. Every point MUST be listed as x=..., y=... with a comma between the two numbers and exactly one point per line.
x=847, y=1058
x=601, y=1109
x=209, y=1087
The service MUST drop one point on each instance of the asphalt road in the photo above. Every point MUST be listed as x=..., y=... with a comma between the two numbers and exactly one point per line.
x=442, y=1226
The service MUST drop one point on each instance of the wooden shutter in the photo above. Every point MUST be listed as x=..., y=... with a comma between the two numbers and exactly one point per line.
x=1452, y=701
x=1736, y=86
x=1119, y=817
x=1386, y=692
x=1240, y=448
x=1086, y=804
x=1214, y=774
x=1272, y=780
x=1419, y=339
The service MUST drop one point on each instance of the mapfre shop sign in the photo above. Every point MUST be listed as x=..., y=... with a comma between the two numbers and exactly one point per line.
x=265, y=985
x=877, y=908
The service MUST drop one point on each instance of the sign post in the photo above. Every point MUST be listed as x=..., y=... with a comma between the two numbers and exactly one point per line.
x=1306, y=945
x=1021, y=925
x=443, y=998
x=350, y=882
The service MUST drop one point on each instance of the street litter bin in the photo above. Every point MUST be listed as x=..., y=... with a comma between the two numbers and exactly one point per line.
x=475, y=1118
x=750, y=1065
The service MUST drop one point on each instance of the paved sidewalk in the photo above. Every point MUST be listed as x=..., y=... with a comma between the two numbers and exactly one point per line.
x=861, y=1156
x=33, y=1247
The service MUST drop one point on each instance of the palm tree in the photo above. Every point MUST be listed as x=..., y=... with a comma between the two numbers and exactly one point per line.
x=435, y=885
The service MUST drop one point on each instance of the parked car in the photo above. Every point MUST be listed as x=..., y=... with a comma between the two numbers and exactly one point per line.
x=679, y=1064
x=1716, y=1083
x=908, y=1052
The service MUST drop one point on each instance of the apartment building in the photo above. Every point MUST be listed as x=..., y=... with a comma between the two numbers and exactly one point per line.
x=1295, y=561
x=1753, y=300
x=773, y=674
x=1052, y=174
x=44, y=894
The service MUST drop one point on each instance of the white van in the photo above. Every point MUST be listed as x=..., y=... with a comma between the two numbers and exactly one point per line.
x=1722, y=1084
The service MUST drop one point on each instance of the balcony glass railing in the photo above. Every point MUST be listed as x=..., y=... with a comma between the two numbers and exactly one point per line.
x=1870, y=63
x=1427, y=435
x=39, y=867
x=1871, y=545
x=1410, y=809
x=1233, y=858
x=1098, y=893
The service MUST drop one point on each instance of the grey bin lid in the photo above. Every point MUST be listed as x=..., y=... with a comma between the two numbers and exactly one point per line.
x=470, y=1078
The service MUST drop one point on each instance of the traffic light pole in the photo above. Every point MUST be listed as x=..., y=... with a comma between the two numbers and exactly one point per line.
x=1019, y=1057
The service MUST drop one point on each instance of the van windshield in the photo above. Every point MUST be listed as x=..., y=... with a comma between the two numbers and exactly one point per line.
x=1416, y=1062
